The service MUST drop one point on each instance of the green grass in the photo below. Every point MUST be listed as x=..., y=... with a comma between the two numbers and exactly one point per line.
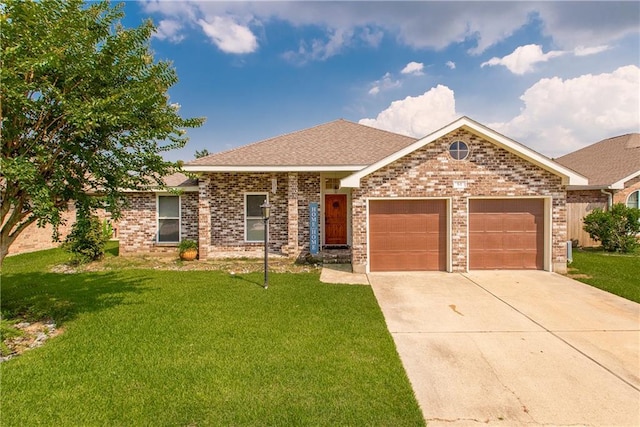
x=615, y=273
x=199, y=348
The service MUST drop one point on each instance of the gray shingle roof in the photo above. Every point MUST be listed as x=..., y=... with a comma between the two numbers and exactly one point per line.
x=607, y=161
x=337, y=143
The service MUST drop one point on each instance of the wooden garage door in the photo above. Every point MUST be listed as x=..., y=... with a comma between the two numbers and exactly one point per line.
x=506, y=234
x=406, y=235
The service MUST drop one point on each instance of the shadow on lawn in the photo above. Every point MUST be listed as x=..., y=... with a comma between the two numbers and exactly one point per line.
x=61, y=297
x=244, y=279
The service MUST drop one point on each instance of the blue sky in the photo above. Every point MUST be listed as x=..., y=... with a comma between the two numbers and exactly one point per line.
x=555, y=76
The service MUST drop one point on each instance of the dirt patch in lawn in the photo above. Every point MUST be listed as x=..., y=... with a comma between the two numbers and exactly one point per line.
x=572, y=273
x=277, y=264
x=32, y=335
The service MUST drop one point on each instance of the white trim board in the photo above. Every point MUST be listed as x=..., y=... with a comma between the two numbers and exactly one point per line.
x=569, y=177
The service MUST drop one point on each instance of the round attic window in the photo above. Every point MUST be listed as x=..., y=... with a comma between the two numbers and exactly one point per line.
x=459, y=150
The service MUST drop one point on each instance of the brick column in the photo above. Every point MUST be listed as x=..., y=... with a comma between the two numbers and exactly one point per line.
x=292, y=215
x=204, y=216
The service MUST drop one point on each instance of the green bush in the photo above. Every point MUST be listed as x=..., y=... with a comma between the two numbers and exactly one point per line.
x=616, y=229
x=87, y=238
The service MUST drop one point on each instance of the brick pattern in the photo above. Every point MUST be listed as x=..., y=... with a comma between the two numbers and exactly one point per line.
x=292, y=213
x=594, y=197
x=35, y=238
x=629, y=187
x=204, y=217
x=430, y=172
x=308, y=191
x=138, y=227
x=227, y=192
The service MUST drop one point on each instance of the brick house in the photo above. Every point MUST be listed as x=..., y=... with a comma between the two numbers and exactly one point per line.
x=613, y=169
x=464, y=197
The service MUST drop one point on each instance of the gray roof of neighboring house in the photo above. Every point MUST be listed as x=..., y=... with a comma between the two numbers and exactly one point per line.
x=337, y=143
x=608, y=161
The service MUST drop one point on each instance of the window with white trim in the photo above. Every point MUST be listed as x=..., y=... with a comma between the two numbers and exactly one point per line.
x=633, y=201
x=253, y=223
x=168, y=210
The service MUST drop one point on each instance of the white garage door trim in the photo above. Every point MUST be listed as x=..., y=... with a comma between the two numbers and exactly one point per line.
x=448, y=210
x=548, y=226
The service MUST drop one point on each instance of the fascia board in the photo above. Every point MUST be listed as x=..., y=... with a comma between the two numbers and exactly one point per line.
x=342, y=168
x=190, y=189
x=619, y=185
x=569, y=177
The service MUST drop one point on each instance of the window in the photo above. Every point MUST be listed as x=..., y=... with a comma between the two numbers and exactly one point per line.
x=253, y=223
x=459, y=150
x=633, y=199
x=168, y=219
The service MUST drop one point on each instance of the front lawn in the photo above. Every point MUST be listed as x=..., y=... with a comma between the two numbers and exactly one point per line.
x=612, y=272
x=196, y=348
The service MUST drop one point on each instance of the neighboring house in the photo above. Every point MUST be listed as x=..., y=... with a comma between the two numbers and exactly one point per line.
x=613, y=169
x=462, y=198
x=35, y=238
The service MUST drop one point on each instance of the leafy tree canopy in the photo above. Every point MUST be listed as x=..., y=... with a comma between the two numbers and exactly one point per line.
x=203, y=153
x=85, y=110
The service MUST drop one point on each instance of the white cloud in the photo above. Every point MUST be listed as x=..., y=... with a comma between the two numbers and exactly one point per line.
x=168, y=29
x=385, y=83
x=229, y=36
x=371, y=37
x=560, y=116
x=585, y=51
x=414, y=68
x=433, y=25
x=320, y=50
x=451, y=65
x=418, y=116
x=523, y=59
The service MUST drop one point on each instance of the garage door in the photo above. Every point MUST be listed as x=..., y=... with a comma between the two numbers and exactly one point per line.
x=506, y=234
x=406, y=235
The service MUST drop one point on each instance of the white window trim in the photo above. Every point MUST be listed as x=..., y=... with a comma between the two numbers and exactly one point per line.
x=158, y=217
x=638, y=198
x=246, y=217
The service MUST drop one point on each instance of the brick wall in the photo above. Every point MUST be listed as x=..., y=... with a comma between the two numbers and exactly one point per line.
x=308, y=191
x=629, y=187
x=227, y=192
x=35, y=238
x=137, y=227
x=430, y=172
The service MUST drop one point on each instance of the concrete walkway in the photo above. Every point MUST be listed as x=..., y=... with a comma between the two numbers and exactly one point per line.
x=514, y=348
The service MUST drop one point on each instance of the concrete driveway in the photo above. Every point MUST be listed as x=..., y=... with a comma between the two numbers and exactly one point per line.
x=514, y=348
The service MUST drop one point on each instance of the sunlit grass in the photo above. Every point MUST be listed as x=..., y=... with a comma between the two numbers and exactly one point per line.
x=148, y=347
x=612, y=272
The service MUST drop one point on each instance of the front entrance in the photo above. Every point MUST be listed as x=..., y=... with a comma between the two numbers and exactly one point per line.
x=335, y=219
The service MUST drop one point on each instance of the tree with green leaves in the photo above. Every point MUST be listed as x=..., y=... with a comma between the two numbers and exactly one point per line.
x=85, y=111
x=203, y=153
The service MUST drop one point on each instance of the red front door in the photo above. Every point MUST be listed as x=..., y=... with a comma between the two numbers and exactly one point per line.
x=335, y=219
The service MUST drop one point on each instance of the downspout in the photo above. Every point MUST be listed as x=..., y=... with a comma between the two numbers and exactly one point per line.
x=609, y=198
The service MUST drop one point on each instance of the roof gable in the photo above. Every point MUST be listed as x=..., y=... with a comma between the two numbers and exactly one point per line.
x=607, y=163
x=569, y=177
x=337, y=145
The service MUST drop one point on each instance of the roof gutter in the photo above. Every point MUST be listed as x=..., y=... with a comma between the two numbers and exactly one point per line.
x=609, y=198
x=311, y=168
